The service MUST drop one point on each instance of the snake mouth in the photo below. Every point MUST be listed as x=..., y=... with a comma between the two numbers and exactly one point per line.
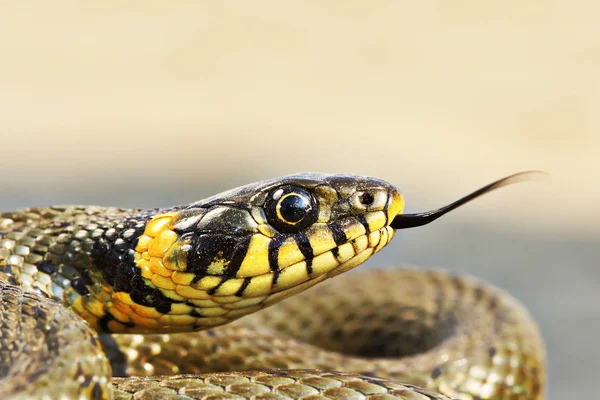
x=348, y=255
x=404, y=221
x=293, y=279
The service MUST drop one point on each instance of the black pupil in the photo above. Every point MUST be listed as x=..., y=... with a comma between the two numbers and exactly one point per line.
x=293, y=208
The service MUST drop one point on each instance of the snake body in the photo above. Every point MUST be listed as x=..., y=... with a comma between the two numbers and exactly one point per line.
x=152, y=295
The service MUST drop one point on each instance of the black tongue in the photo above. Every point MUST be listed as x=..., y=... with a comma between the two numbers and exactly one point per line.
x=404, y=221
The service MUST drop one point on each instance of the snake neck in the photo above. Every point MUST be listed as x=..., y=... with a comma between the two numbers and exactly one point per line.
x=75, y=254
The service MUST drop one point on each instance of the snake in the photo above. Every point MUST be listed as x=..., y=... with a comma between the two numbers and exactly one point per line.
x=104, y=302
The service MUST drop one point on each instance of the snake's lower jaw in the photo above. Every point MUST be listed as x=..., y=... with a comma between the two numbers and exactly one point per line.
x=375, y=241
x=327, y=265
x=360, y=250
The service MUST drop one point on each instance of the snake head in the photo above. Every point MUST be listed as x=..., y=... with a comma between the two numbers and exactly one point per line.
x=275, y=235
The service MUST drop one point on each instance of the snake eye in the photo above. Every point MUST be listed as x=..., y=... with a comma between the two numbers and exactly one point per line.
x=290, y=209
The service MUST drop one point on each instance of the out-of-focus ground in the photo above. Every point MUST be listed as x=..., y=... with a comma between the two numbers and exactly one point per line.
x=152, y=103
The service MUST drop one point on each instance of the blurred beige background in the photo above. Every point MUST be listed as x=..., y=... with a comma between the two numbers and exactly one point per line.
x=149, y=103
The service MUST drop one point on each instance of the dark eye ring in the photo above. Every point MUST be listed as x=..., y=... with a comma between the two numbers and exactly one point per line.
x=290, y=209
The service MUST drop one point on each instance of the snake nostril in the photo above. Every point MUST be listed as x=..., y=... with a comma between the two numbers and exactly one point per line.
x=366, y=199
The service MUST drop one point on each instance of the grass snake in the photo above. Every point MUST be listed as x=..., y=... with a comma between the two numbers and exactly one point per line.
x=101, y=302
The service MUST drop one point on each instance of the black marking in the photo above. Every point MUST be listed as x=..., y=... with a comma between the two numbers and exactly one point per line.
x=164, y=308
x=213, y=290
x=245, y=284
x=363, y=220
x=273, y=256
x=97, y=392
x=46, y=268
x=306, y=250
x=86, y=382
x=196, y=314
x=151, y=297
x=336, y=252
x=105, y=319
x=79, y=286
x=275, y=277
x=86, y=278
x=118, y=268
x=103, y=323
x=339, y=236
x=437, y=371
x=100, y=255
x=239, y=254
x=208, y=247
x=492, y=352
x=273, y=253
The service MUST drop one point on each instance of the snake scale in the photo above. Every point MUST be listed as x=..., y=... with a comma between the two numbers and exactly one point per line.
x=101, y=302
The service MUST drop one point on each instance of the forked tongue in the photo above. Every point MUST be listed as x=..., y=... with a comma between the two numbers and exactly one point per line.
x=404, y=221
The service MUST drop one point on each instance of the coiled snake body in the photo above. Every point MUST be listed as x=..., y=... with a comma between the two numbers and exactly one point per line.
x=89, y=293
